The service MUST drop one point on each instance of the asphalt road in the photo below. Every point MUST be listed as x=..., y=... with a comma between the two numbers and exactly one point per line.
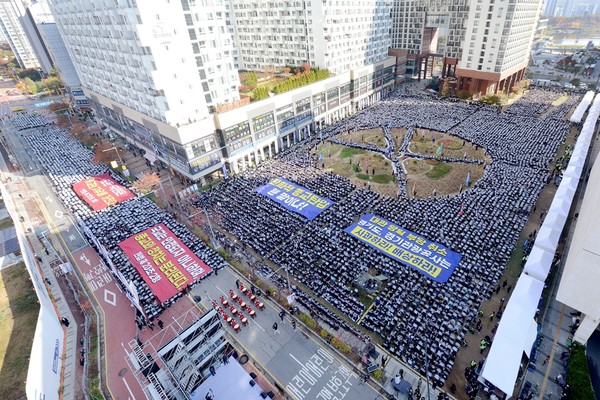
x=303, y=367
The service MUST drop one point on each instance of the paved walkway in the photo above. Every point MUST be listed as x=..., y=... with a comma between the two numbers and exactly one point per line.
x=556, y=332
x=70, y=360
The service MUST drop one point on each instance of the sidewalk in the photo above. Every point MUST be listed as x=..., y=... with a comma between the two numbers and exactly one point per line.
x=70, y=359
x=556, y=330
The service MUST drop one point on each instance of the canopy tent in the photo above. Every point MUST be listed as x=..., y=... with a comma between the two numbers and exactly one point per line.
x=512, y=339
x=565, y=192
x=569, y=182
x=538, y=263
x=556, y=221
x=548, y=236
x=560, y=205
x=582, y=107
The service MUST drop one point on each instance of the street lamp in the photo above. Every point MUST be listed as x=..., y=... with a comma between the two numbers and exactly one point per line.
x=212, y=233
x=287, y=277
x=117, y=151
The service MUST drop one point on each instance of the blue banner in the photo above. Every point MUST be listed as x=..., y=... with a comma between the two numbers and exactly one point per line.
x=431, y=259
x=295, y=198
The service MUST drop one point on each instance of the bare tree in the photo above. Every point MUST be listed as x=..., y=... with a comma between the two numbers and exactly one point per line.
x=147, y=182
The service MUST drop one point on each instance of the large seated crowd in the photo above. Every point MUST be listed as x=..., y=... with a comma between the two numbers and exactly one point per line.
x=412, y=312
x=67, y=162
x=421, y=321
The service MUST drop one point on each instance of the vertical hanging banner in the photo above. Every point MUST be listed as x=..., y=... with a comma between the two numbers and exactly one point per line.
x=295, y=198
x=163, y=261
x=429, y=258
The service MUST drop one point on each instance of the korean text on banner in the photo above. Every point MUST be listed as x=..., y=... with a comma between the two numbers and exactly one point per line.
x=431, y=259
x=164, y=262
x=295, y=198
x=101, y=191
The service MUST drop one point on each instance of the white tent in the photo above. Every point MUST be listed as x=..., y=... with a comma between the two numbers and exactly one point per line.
x=514, y=335
x=538, y=263
x=556, y=220
x=582, y=107
x=560, y=205
x=548, y=236
x=565, y=192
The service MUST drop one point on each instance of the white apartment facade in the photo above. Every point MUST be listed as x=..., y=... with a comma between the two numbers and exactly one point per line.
x=155, y=73
x=10, y=13
x=487, y=42
x=157, y=68
x=338, y=35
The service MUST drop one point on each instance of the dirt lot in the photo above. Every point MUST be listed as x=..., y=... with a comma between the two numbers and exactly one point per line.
x=423, y=176
x=351, y=163
x=428, y=142
x=370, y=136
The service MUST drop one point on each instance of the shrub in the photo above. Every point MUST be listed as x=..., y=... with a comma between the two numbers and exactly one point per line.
x=324, y=333
x=578, y=375
x=341, y=346
x=492, y=99
x=378, y=375
x=308, y=321
x=261, y=93
x=464, y=95
x=245, y=88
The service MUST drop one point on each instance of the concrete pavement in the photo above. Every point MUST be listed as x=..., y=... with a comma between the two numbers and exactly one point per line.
x=557, y=318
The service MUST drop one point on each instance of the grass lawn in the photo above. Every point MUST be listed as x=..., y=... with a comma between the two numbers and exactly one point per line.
x=350, y=151
x=18, y=317
x=369, y=136
x=351, y=163
x=439, y=170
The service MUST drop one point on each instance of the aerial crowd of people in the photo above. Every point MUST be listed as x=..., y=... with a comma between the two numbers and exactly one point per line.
x=67, y=162
x=421, y=321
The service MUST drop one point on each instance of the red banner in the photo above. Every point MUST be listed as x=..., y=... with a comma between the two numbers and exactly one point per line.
x=166, y=264
x=102, y=191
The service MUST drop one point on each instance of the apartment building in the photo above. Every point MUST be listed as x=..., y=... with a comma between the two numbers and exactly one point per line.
x=11, y=11
x=337, y=35
x=158, y=68
x=484, y=44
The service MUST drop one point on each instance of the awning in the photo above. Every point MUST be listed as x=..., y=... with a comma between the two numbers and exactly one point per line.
x=150, y=157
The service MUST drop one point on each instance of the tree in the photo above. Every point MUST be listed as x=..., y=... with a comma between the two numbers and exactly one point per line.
x=250, y=78
x=32, y=73
x=306, y=68
x=21, y=87
x=53, y=84
x=576, y=82
x=58, y=107
x=446, y=88
x=147, y=182
x=261, y=93
x=31, y=85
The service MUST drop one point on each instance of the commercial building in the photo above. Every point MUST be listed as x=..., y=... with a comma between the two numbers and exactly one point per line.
x=579, y=284
x=483, y=45
x=157, y=72
x=42, y=33
x=11, y=11
x=336, y=35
